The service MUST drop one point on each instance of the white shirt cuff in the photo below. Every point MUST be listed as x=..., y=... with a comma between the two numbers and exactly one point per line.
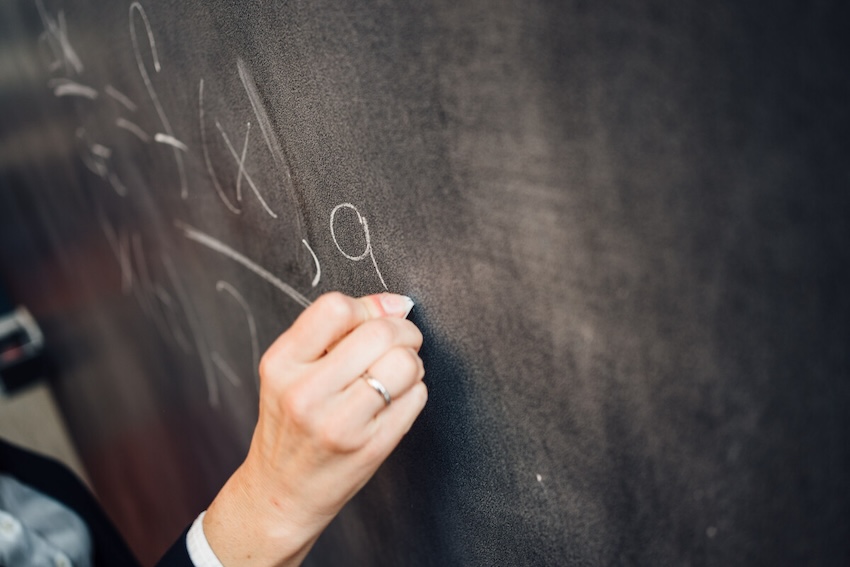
x=199, y=548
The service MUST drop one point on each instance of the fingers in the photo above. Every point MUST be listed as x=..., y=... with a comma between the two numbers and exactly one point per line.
x=329, y=319
x=348, y=429
x=398, y=370
x=362, y=348
x=395, y=421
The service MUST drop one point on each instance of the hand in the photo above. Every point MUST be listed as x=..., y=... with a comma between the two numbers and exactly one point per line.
x=322, y=430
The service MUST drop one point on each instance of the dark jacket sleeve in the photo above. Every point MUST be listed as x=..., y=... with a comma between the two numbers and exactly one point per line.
x=178, y=555
x=53, y=479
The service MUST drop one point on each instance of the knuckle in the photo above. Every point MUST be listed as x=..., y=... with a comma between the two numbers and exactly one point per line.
x=381, y=332
x=418, y=339
x=275, y=370
x=336, y=438
x=406, y=362
x=298, y=405
x=334, y=305
x=268, y=367
x=421, y=391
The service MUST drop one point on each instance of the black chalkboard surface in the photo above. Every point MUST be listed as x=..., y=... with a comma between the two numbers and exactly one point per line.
x=625, y=226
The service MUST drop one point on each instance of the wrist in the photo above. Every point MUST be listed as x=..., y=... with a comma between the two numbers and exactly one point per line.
x=248, y=526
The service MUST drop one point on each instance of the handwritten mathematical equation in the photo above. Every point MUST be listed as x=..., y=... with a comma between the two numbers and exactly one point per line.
x=173, y=312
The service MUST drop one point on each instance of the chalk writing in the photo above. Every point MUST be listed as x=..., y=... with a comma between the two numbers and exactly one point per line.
x=196, y=330
x=101, y=151
x=242, y=172
x=318, y=275
x=173, y=325
x=126, y=249
x=92, y=160
x=120, y=248
x=368, y=251
x=222, y=248
x=164, y=305
x=120, y=97
x=66, y=87
x=239, y=158
x=116, y=184
x=223, y=286
x=225, y=369
x=266, y=129
x=133, y=128
x=151, y=305
x=54, y=63
x=170, y=141
x=57, y=39
x=96, y=157
x=206, y=152
x=136, y=8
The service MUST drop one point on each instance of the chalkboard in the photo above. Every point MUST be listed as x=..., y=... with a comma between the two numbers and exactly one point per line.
x=625, y=226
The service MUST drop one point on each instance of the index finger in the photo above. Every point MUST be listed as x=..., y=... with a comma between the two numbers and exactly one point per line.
x=329, y=319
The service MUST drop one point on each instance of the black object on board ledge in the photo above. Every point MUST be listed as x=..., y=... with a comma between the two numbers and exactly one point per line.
x=624, y=225
x=23, y=360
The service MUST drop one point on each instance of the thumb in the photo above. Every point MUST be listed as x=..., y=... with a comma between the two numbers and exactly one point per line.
x=387, y=305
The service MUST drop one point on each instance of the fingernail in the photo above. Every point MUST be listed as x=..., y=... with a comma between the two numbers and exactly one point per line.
x=397, y=305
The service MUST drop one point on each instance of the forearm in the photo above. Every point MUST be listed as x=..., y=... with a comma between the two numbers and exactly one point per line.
x=246, y=527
